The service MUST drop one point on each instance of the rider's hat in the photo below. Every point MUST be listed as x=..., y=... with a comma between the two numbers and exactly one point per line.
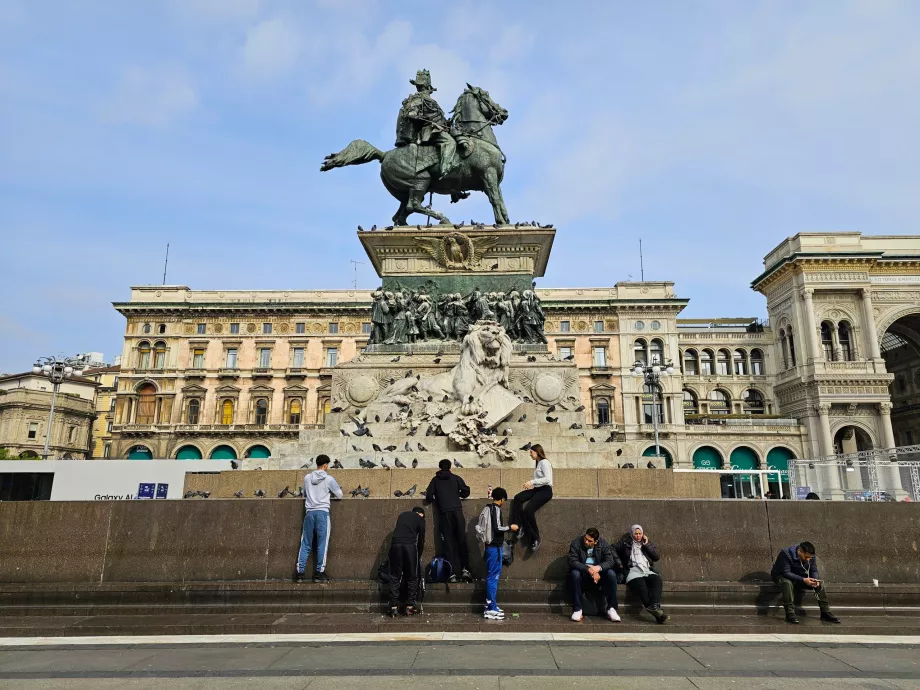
x=422, y=78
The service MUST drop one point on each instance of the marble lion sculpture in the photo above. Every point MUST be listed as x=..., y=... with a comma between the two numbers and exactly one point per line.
x=485, y=357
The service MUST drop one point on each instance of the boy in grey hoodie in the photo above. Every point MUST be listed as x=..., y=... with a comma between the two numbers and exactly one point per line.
x=318, y=486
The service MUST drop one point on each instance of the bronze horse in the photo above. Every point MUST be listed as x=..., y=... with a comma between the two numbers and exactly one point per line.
x=410, y=172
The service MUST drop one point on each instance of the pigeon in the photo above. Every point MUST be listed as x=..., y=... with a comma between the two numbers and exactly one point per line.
x=457, y=226
x=412, y=432
x=363, y=431
x=526, y=446
x=336, y=465
x=409, y=373
x=429, y=431
x=457, y=464
x=370, y=465
x=373, y=228
x=552, y=419
x=414, y=463
x=421, y=448
x=407, y=448
x=650, y=465
x=337, y=408
x=343, y=432
x=356, y=449
x=580, y=408
x=399, y=463
x=437, y=360
x=551, y=408
x=575, y=425
x=411, y=491
x=189, y=494
x=300, y=493
x=531, y=358
x=362, y=462
x=377, y=418
x=306, y=466
x=383, y=464
x=526, y=399
x=389, y=449
x=397, y=493
x=522, y=417
x=376, y=448
x=484, y=465
x=591, y=439
x=619, y=452
x=388, y=227
x=493, y=267
x=568, y=358
x=445, y=398
x=483, y=414
x=469, y=399
x=504, y=443
x=354, y=492
x=609, y=439
x=234, y=465
x=360, y=229
x=418, y=227
x=239, y=494
x=259, y=492
x=395, y=359
x=366, y=492
x=628, y=466
x=286, y=491
x=389, y=418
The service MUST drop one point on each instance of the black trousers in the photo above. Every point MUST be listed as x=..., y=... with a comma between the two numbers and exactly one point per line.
x=608, y=584
x=648, y=589
x=452, y=528
x=403, y=564
x=524, y=517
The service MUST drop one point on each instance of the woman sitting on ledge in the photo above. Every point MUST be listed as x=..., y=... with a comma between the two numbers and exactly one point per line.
x=537, y=492
x=638, y=554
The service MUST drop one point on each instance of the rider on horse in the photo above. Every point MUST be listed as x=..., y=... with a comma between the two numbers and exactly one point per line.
x=421, y=121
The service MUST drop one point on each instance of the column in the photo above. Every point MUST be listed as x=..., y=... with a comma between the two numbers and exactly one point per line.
x=813, y=344
x=889, y=474
x=869, y=324
x=831, y=473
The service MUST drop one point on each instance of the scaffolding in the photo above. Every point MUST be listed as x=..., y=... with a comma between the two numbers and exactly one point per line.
x=867, y=463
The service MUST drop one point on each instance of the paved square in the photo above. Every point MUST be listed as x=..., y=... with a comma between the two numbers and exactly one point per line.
x=592, y=658
x=345, y=657
x=488, y=657
x=203, y=659
x=766, y=658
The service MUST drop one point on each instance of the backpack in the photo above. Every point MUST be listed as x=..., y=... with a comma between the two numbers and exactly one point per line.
x=484, y=527
x=439, y=570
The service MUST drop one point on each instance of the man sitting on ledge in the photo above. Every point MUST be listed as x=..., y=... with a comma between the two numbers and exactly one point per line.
x=795, y=570
x=592, y=561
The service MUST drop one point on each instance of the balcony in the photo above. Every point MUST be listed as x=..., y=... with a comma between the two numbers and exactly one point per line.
x=295, y=373
x=600, y=370
x=738, y=423
x=228, y=373
x=262, y=373
x=196, y=373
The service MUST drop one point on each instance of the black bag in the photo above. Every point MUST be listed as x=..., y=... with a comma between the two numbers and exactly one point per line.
x=507, y=553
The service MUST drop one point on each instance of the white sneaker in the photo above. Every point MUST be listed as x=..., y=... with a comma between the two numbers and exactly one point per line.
x=494, y=615
x=613, y=615
x=576, y=616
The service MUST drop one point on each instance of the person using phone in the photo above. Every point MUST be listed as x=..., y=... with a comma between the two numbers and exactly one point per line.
x=796, y=570
x=639, y=556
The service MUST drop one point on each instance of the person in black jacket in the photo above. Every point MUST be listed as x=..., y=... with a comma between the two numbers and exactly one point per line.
x=638, y=556
x=795, y=570
x=446, y=489
x=592, y=561
x=406, y=548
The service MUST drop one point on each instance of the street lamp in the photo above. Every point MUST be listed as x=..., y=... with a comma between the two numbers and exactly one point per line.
x=652, y=374
x=57, y=370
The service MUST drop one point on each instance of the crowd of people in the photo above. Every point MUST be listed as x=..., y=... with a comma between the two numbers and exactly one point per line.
x=593, y=563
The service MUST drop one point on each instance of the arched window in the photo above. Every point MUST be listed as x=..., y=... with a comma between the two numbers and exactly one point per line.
x=791, y=342
x=691, y=363
x=657, y=351
x=194, y=409
x=226, y=412
x=757, y=362
x=295, y=410
x=143, y=355
x=146, y=328
x=753, y=401
x=722, y=363
x=261, y=411
x=691, y=404
x=640, y=353
x=161, y=329
x=706, y=363
x=719, y=402
x=159, y=355
x=603, y=411
x=652, y=404
x=843, y=336
x=147, y=404
x=740, y=361
x=827, y=340
x=784, y=348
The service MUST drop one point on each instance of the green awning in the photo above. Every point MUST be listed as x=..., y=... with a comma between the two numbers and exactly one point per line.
x=778, y=459
x=223, y=453
x=259, y=452
x=707, y=458
x=188, y=453
x=650, y=453
x=743, y=459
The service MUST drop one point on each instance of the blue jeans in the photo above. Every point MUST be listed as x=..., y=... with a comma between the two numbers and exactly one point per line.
x=493, y=556
x=315, y=522
x=608, y=583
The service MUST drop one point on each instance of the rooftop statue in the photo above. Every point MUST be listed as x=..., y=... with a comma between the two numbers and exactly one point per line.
x=435, y=154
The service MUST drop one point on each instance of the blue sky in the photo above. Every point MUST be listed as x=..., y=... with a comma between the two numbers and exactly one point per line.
x=712, y=129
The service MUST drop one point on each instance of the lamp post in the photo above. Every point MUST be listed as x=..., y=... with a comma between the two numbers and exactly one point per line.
x=57, y=370
x=651, y=375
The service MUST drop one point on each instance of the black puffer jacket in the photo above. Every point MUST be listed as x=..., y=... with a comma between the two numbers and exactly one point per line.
x=446, y=489
x=623, y=550
x=604, y=555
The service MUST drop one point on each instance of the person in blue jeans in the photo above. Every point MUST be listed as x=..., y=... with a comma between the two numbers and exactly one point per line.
x=318, y=487
x=493, y=552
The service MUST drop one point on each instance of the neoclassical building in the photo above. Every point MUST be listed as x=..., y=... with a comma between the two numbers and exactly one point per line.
x=227, y=374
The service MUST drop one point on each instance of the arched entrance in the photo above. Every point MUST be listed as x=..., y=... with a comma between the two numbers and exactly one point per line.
x=650, y=453
x=258, y=452
x=140, y=453
x=900, y=348
x=778, y=459
x=707, y=458
x=223, y=453
x=188, y=453
x=744, y=485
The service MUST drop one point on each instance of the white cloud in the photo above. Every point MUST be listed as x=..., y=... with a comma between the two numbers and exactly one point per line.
x=151, y=96
x=272, y=48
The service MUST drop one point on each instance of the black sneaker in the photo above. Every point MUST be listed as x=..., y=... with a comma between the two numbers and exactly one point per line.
x=298, y=577
x=410, y=611
x=320, y=577
x=394, y=611
x=466, y=576
x=829, y=617
x=791, y=619
x=453, y=579
x=533, y=547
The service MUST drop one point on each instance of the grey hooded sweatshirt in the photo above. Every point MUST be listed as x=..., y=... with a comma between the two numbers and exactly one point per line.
x=318, y=485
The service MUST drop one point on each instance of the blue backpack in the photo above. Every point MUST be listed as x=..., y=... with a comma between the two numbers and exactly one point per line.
x=439, y=570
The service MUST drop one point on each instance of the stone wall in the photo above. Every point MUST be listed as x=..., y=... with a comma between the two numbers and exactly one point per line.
x=220, y=540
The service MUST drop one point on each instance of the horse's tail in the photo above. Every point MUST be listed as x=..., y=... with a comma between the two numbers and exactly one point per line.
x=356, y=153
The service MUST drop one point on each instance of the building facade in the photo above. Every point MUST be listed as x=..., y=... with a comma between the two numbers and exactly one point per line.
x=106, y=378
x=25, y=405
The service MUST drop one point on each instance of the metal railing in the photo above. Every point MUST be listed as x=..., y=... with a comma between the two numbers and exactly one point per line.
x=862, y=468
